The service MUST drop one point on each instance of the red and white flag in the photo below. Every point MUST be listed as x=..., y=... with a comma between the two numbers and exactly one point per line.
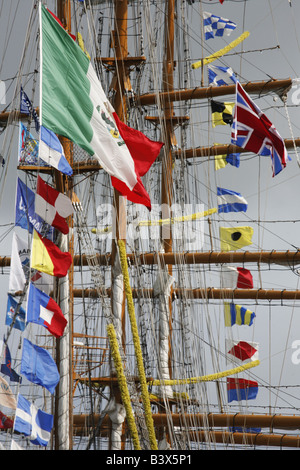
x=232, y=278
x=144, y=152
x=53, y=206
x=241, y=351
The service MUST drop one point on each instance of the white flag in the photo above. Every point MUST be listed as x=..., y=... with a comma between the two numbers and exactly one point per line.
x=6, y=396
x=19, y=256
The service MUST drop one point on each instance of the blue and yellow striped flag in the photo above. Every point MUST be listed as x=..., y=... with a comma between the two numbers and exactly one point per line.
x=237, y=315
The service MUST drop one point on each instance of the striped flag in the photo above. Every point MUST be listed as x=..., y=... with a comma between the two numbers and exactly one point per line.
x=230, y=201
x=241, y=389
x=237, y=315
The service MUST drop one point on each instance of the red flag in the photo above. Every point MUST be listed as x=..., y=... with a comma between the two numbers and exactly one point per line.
x=144, y=152
x=245, y=279
x=243, y=350
x=5, y=421
x=53, y=206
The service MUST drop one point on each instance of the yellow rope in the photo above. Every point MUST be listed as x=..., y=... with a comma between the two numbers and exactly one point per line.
x=184, y=218
x=205, y=378
x=82, y=46
x=137, y=347
x=123, y=385
x=221, y=52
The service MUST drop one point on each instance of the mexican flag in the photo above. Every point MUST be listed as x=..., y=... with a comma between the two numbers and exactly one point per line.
x=73, y=104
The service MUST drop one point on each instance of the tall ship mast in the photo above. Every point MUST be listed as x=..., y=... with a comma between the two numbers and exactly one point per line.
x=149, y=254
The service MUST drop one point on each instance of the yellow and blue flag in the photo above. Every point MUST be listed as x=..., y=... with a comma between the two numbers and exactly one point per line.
x=237, y=315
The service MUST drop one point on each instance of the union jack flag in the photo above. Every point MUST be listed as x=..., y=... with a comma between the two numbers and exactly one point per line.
x=253, y=131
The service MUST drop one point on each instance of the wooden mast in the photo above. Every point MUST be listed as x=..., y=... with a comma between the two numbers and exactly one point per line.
x=64, y=185
x=119, y=83
x=169, y=138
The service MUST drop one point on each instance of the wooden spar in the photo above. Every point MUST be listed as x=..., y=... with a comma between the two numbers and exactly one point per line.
x=270, y=421
x=186, y=94
x=224, y=437
x=288, y=258
x=259, y=439
x=207, y=293
x=210, y=92
x=93, y=165
x=219, y=420
x=201, y=293
x=222, y=150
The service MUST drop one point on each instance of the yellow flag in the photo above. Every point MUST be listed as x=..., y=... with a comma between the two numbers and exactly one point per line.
x=220, y=161
x=222, y=113
x=232, y=239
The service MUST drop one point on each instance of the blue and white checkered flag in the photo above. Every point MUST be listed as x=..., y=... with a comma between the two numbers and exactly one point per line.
x=216, y=26
x=218, y=76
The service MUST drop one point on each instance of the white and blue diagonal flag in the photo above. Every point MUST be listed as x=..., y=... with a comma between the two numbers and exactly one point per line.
x=218, y=76
x=230, y=201
x=216, y=26
x=51, y=151
x=33, y=422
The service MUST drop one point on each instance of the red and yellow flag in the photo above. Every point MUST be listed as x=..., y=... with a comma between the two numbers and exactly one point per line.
x=46, y=257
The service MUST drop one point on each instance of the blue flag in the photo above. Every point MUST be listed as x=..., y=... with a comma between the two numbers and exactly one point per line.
x=18, y=319
x=25, y=212
x=27, y=108
x=219, y=76
x=38, y=366
x=6, y=367
x=32, y=422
